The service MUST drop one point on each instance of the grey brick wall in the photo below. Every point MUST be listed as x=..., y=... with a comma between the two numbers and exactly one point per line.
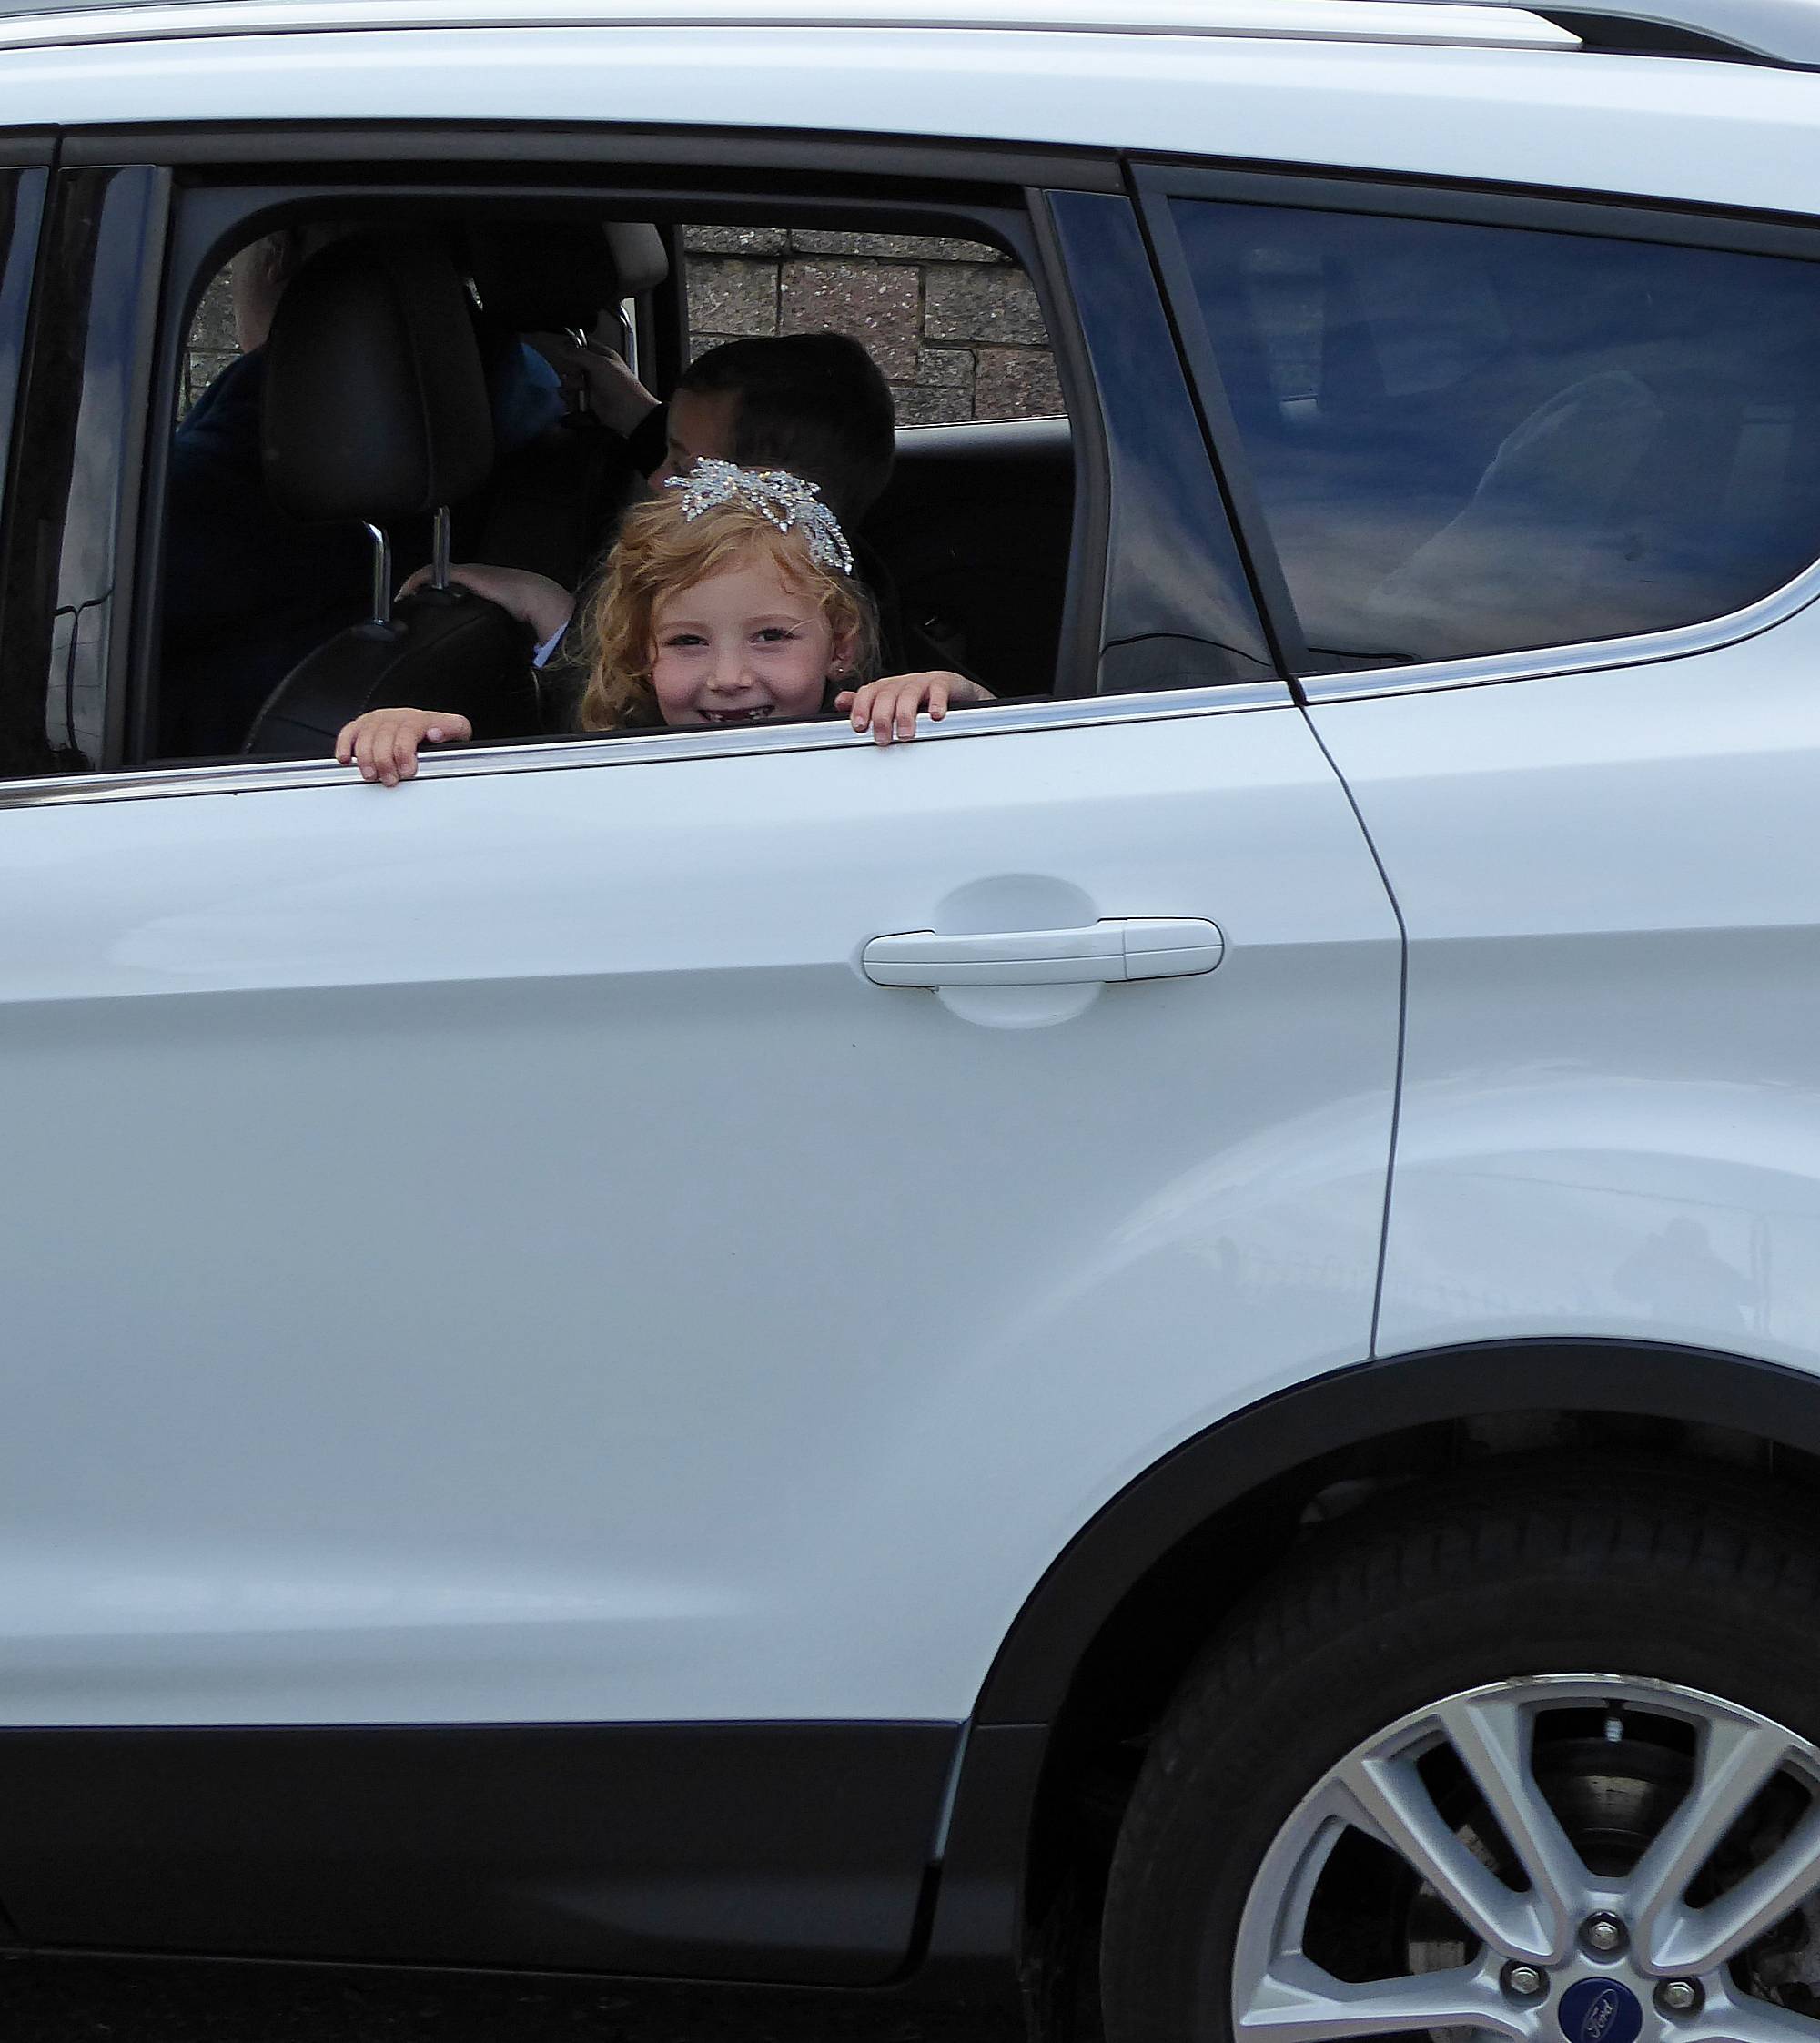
x=212, y=344
x=954, y=326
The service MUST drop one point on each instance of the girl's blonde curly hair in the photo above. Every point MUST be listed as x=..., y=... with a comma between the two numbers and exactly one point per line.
x=660, y=553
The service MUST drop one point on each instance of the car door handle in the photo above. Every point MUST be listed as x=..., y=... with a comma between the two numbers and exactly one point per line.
x=1126, y=947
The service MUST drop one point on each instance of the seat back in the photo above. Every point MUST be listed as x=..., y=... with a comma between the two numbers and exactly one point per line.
x=554, y=503
x=442, y=649
x=375, y=410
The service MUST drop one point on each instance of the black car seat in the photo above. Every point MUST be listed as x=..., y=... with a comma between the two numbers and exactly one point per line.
x=555, y=503
x=376, y=412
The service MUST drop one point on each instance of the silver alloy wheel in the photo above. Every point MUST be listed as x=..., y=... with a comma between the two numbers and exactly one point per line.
x=1724, y=1854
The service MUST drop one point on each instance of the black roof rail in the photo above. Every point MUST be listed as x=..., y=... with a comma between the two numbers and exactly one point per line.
x=1780, y=31
x=1646, y=38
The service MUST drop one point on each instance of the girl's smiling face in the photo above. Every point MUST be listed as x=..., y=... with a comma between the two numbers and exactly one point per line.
x=744, y=646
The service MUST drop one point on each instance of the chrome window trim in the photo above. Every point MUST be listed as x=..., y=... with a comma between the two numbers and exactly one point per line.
x=1544, y=662
x=643, y=748
x=1434, y=24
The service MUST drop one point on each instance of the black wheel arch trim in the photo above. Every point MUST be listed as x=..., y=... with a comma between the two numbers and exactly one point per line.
x=978, y=1911
x=1349, y=1408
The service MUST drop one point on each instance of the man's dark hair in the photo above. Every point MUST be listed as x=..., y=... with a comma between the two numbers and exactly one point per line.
x=813, y=403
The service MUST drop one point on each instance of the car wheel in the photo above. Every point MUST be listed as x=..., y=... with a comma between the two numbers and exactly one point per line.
x=1534, y=1757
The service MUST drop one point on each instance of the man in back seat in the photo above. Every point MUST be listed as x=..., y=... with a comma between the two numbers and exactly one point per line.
x=814, y=404
x=816, y=400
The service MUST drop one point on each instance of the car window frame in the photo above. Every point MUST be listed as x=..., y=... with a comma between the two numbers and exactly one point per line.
x=28, y=349
x=220, y=196
x=89, y=454
x=898, y=177
x=1157, y=181
x=19, y=275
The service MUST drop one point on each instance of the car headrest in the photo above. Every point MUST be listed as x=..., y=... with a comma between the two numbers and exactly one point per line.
x=639, y=256
x=375, y=403
x=533, y=276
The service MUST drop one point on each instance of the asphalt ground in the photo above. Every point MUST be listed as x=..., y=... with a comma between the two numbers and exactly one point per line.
x=59, y=2000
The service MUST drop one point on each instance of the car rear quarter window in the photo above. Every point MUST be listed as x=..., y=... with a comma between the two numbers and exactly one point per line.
x=1471, y=438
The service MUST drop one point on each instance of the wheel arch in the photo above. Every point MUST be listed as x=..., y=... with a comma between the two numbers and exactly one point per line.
x=1103, y=1636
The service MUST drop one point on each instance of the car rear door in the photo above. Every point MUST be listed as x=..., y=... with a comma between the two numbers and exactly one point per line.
x=598, y=1281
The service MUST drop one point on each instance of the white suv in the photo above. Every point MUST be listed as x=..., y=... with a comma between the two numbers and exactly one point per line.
x=1181, y=1320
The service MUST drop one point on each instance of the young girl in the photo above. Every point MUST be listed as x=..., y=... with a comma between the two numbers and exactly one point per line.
x=731, y=599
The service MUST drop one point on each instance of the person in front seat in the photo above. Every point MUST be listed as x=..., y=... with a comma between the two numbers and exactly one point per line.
x=730, y=600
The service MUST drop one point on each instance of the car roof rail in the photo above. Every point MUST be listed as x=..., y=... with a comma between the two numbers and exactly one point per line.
x=1781, y=32
x=1784, y=32
x=1462, y=23
x=1392, y=21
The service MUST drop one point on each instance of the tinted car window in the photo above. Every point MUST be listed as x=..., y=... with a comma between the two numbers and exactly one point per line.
x=22, y=742
x=70, y=476
x=1178, y=610
x=1471, y=438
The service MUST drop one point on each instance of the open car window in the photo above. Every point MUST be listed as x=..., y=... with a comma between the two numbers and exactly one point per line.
x=266, y=589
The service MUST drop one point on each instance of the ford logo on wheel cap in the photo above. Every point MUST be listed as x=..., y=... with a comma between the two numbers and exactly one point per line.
x=1600, y=2011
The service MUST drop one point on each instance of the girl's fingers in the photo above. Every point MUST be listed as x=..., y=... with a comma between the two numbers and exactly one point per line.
x=889, y=708
x=384, y=742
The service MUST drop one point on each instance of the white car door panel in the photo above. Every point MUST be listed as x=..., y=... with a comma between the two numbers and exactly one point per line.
x=1612, y=1085
x=484, y=1251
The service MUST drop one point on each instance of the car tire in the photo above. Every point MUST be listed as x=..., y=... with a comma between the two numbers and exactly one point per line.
x=1618, y=1634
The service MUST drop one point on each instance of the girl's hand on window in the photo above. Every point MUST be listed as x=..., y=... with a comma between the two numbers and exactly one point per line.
x=888, y=708
x=383, y=742
x=533, y=599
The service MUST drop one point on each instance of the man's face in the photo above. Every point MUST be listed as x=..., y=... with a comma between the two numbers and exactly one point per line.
x=701, y=428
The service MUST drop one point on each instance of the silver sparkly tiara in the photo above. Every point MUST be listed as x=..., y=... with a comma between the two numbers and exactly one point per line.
x=789, y=503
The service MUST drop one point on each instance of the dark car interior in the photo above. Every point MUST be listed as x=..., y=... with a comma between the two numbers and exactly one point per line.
x=405, y=418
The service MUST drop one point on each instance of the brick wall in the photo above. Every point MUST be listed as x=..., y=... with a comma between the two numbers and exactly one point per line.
x=954, y=326
x=212, y=342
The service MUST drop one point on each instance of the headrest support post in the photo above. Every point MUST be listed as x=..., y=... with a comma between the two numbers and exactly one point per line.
x=383, y=576
x=439, y=548
x=575, y=388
